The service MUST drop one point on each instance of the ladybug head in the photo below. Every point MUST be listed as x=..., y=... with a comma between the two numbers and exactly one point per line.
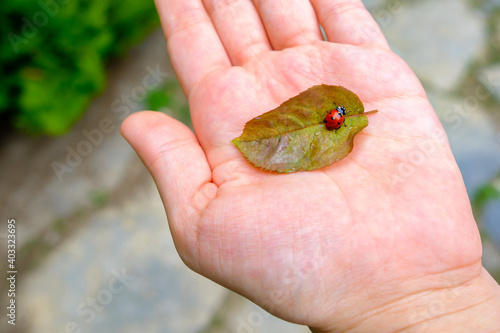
x=341, y=110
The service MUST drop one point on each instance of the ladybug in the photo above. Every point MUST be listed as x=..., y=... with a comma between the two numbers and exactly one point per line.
x=335, y=118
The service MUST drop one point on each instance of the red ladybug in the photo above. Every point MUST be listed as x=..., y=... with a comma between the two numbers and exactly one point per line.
x=335, y=118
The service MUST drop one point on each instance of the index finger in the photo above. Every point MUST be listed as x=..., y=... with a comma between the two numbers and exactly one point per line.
x=192, y=41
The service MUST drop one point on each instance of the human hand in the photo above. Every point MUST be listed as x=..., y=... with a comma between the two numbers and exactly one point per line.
x=367, y=242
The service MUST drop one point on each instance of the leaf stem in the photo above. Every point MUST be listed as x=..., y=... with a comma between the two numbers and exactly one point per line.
x=362, y=114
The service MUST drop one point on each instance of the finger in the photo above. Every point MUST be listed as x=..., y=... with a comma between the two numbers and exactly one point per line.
x=179, y=167
x=289, y=22
x=240, y=28
x=194, y=46
x=348, y=22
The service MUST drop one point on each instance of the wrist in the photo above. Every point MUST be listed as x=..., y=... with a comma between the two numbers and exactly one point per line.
x=473, y=306
x=450, y=305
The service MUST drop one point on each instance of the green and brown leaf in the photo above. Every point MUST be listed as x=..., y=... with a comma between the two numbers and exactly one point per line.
x=293, y=138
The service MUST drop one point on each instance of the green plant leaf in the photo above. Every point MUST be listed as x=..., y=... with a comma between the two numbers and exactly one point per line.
x=293, y=137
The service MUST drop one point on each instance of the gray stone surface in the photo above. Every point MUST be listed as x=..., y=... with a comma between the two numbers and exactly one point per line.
x=156, y=292
x=374, y=4
x=490, y=77
x=489, y=5
x=239, y=315
x=492, y=225
x=473, y=137
x=436, y=38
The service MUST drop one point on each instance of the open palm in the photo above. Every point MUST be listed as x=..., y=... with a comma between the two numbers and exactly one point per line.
x=327, y=248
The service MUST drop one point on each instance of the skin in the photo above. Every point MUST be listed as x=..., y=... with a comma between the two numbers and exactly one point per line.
x=382, y=240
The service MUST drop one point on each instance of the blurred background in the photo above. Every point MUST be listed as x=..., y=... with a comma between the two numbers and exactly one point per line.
x=94, y=253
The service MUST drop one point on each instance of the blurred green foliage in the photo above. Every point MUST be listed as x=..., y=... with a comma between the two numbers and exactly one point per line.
x=484, y=195
x=169, y=99
x=53, y=55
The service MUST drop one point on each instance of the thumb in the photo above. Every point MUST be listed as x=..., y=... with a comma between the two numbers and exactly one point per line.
x=178, y=164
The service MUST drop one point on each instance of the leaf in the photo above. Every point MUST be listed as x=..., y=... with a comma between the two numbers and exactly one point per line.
x=293, y=137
